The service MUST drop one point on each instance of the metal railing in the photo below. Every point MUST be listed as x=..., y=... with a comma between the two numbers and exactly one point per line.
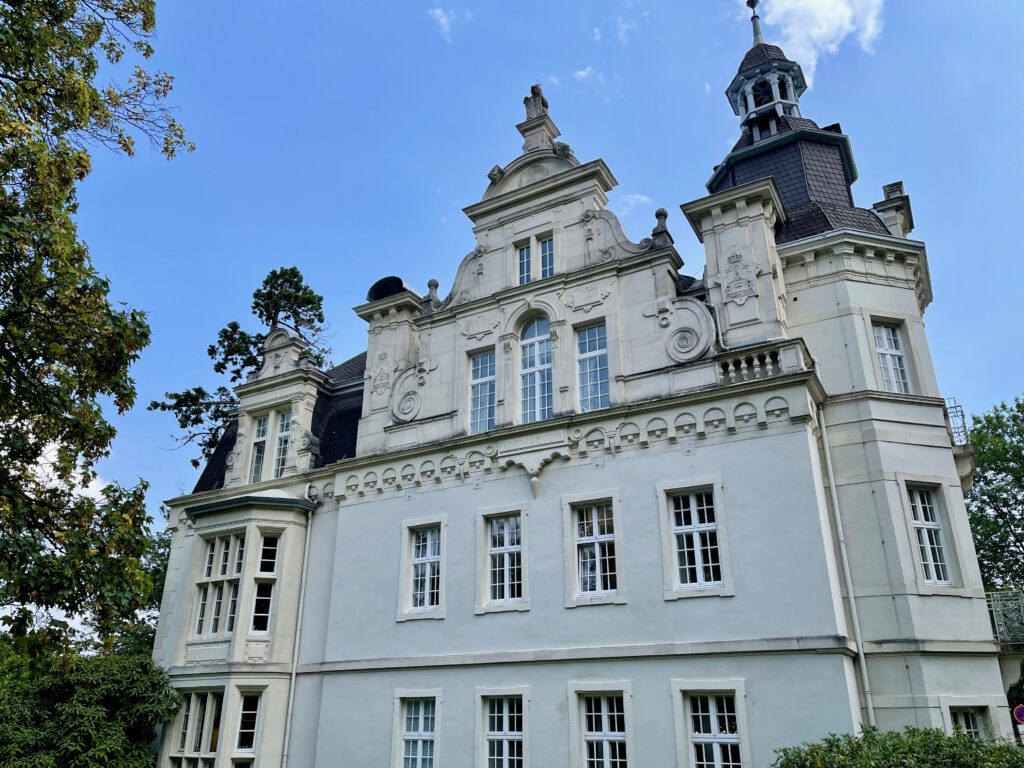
x=957, y=422
x=1007, y=612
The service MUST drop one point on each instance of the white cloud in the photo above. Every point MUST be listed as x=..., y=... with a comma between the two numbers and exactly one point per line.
x=444, y=22
x=554, y=80
x=628, y=203
x=584, y=74
x=707, y=87
x=811, y=28
x=624, y=27
x=597, y=34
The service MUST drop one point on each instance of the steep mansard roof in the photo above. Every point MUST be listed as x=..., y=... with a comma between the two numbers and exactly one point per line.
x=335, y=421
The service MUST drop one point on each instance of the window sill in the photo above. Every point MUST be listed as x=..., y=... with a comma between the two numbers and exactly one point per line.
x=681, y=593
x=511, y=605
x=615, y=598
x=436, y=613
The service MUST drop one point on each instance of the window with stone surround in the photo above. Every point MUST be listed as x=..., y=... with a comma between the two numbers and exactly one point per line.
x=217, y=586
x=261, y=452
x=594, y=570
x=423, y=549
x=929, y=539
x=525, y=270
x=197, y=731
x=695, y=552
x=592, y=361
x=711, y=723
x=248, y=723
x=419, y=727
x=481, y=392
x=601, y=724
x=536, y=386
x=891, y=357
x=547, y=257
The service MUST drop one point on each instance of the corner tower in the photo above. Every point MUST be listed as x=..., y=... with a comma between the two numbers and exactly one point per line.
x=813, y=167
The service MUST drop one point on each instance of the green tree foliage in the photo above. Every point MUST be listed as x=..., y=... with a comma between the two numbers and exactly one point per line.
x=73, y=711
x=64, y=347
x=910, y=748
x=283, y=300
x=995, y=504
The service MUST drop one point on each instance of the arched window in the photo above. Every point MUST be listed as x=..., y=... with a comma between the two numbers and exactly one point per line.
x=535, y=370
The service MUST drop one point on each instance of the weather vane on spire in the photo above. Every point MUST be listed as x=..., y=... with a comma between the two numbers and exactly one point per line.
x=756, y=21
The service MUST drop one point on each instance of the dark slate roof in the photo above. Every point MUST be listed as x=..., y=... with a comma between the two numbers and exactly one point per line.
x=353, y=368
x=762, y=53
x=335, y=423
x=815, y=218
x=213, y=473
x=691, y=286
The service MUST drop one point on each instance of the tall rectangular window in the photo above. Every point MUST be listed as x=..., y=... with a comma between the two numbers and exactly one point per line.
x=481, y=393
x=425, y=591
x=604, y=731
x=547, y=257
x=225, y=556
x=695, y=538
x=186, y=710
x=232, y=608
x=211, y=548
x=891, y=358
x=418, y=733
x=504, y=555
x=239, y=555
x=197, y=737
x=218, y=597
x=928, y=531
x=592, y=357
x=261, y=606
x=268, y=554
x=524, y=265
x=595, y=549
x=284, y=427
x=259, y=449
x=535, y=370
x=504, y=734
x=218, y=702
x=201, y=611
x=714, y=731
x=247, y=721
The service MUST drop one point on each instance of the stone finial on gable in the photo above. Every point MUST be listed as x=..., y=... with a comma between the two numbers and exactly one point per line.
x=538, y=130
x=282, y=352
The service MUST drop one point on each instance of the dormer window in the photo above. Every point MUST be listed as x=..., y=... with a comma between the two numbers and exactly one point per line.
x=535, y=370
x=261, y=428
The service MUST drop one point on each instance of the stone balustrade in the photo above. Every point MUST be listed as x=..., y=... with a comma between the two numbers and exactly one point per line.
x=763, y=361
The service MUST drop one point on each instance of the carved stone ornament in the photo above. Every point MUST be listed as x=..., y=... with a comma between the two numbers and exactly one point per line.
x=692, y=327
x=740, y=280
x=478, y=327
x=381, y=374
x=406, y=399
x=586, y=298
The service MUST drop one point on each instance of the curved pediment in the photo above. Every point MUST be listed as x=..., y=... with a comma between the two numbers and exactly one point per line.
x=529, y=168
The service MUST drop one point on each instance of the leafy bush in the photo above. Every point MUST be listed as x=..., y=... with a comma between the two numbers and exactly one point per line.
x=910, y=748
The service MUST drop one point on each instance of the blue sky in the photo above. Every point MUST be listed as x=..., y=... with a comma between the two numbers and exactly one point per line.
x=345, y=138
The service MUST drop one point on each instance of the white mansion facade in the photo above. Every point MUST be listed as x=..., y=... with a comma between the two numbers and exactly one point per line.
x=587, y=511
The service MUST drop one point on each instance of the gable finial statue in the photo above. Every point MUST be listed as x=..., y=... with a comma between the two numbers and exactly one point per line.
x=536, y=104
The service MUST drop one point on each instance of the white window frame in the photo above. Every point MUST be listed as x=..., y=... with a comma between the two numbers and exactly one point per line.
x=401, y=695
x=264, y=535
x=405, y=610
x=258, y=727
x=211, y=579
x=576, y=691
x=584, y=357
x=488, y=382
x=535, y=372
x=483, y=578
x=993, y=715
x=954, y=532
x=270, y=609
x=889, y=353
x=260, y=426
x=682, y=689
x=524, y=264
x=573, y=597
x=932, y=549
x=484, y=693
x=664, y=491
x=547, y=257
x=282, y=442
x=186, y=735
